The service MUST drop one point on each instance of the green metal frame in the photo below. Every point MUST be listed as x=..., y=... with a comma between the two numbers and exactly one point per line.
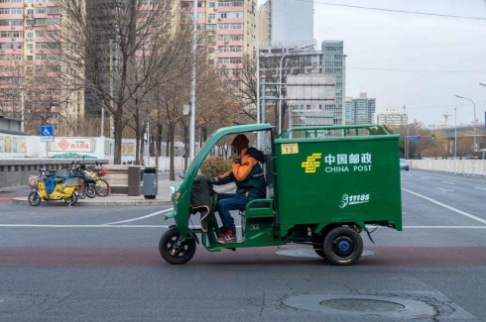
x=344, y=128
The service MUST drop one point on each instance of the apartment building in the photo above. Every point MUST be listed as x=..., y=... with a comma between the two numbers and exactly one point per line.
x=360, y=110
x=229, y=28
x=30, y=63
x=392, y=117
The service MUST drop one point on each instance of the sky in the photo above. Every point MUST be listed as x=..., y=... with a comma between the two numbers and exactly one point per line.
x=438, y=57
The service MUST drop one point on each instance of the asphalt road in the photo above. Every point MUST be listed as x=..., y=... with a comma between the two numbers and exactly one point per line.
x=102, y=264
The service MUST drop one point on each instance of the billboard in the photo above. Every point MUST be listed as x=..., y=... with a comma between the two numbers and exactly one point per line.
x=311, y=89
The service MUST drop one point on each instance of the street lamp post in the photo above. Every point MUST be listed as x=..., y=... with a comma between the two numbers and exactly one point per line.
x=475, y=120
x=258, y=107
x=192, y=121
x=280, y=83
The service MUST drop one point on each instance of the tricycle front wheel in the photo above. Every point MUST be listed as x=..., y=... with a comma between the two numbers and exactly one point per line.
x=343, y=246
x=173, y=250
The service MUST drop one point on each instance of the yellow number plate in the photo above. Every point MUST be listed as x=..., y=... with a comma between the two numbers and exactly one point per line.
x=290, y=148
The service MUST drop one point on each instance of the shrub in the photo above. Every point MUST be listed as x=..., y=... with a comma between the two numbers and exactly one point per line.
x=215, y=166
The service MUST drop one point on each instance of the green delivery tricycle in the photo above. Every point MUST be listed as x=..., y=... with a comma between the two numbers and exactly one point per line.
x=326, y=185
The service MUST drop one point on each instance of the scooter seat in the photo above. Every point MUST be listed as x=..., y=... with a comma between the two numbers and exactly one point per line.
x=59, y=180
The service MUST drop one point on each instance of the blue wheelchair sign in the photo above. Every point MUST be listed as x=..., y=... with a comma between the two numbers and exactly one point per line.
x=47, y=133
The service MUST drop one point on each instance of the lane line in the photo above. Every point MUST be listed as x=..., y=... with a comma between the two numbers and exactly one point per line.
x=92, y=226
x=448, y=182
x=444, y=227
x=479, y=188
x=140, y=218
x=198, y=227
x=446, y=190
x=446, y=206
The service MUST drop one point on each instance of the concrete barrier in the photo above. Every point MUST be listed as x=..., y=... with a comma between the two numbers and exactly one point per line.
x=461, y=167
x=14, y=173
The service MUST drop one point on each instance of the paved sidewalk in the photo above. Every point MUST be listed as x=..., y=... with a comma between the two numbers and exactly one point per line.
x=162, y=199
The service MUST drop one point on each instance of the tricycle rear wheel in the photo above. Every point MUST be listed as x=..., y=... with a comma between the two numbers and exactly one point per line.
x=174, y=251
x=343, y=246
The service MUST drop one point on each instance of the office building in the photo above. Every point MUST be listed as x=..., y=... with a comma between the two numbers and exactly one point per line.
x=392, y=117
x=287, y=23
x=334, y=61
x=360, y=110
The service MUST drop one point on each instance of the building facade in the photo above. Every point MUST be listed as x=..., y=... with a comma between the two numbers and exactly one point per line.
x=287, y=23
x=334, y=63
x=30, y=65
x=229, y=27
x=360, y=110
x=392, y=117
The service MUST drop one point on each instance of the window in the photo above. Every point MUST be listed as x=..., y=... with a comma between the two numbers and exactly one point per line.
x=30, y=46
x=10, y=22
x=230, y=4
x=230, y=38
x=40, y=11
x=230, y=26
x=212, y=5
x=11, y=11
x=211, y=27
x=212, y=16
x=230, y=49
x=223, y=15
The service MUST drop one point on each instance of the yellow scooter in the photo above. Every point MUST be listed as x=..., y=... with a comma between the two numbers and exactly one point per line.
x=50, y=187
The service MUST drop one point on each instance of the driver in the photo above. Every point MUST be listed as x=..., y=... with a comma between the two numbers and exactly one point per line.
x=247, y=173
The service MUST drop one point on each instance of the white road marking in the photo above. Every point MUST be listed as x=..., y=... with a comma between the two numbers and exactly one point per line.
x=140, y=218
x=446, y=206
x=446, y=190
x=92, y=226
x=444, y=227
x=479, y=188
x=448, y=182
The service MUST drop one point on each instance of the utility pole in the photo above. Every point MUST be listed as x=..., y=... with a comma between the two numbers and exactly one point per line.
x=455, y=133
x=192, y=122
x=407, y=138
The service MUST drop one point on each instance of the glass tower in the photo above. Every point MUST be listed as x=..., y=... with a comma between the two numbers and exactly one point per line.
x=334, y=63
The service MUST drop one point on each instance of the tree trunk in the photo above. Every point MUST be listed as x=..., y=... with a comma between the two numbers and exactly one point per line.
x=118, y=124
x=158, y=139
x=171, y=152
x=142, y=146
x=137, y=142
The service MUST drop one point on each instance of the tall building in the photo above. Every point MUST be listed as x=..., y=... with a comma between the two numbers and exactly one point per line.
x=230, y=28
x=30, y=64
x=334, y=61
x=392, y=117
x=360, y=110
x=287, y=23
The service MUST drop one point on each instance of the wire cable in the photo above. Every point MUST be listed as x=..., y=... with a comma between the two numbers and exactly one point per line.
x=394, y=10
x=418, y=70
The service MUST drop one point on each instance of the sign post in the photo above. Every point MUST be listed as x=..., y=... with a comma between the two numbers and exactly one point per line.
x=47, y=135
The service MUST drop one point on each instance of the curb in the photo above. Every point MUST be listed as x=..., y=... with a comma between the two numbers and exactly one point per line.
x=23, y=201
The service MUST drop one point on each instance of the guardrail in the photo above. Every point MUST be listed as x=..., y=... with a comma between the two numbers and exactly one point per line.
x=462, y=167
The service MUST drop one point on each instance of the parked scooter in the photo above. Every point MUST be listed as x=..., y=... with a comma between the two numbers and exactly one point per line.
x=86, y=185
x=97, y=172
x=48, y=186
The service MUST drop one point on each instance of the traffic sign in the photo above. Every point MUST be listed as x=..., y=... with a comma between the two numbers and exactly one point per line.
x=414, y=138
x=47, y=133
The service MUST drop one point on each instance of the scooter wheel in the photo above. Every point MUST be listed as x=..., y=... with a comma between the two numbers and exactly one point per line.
x=34, y=199
x=72, y=200
x=90, y=191
x=175, y=252
x=343, y=246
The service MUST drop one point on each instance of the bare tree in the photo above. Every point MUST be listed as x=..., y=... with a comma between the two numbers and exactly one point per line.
x=119, y=51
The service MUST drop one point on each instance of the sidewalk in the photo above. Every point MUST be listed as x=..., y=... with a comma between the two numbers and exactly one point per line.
x=162, y=198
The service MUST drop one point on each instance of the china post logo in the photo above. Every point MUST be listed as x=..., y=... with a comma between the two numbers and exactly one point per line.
x=312, y=164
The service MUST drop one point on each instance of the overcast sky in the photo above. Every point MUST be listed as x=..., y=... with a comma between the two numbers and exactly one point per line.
x=388, y=40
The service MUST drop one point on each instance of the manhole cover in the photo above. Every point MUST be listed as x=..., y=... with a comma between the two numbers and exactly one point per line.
x=359, y=305
x=363, y=305
x=310, y=253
